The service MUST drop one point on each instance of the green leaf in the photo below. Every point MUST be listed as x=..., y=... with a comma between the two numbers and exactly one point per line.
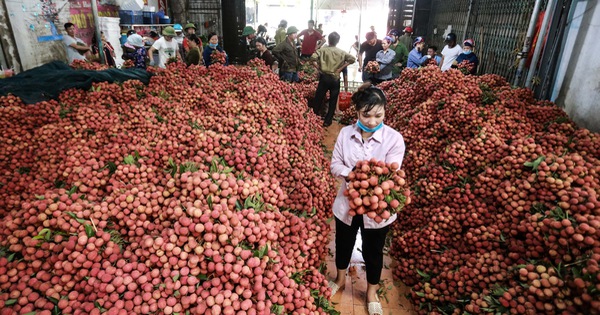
x=209, y=201
x=202, y=277
x=424, y=275
x=74, y=216
x=238, y=205
x=176, y=277
x=51, y=299
x=72, y=190
x=129, y=160
x=10, y=302
x=23, y=170
x=40, y=197
x=89, y=230
x=30, y=313
x=43, y=234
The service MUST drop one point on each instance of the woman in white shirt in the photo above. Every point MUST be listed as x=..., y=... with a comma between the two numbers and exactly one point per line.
x=368, y=138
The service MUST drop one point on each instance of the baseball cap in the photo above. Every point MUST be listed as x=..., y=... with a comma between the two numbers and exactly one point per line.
x=418, y=40
x=469, y=42
x=408, y=29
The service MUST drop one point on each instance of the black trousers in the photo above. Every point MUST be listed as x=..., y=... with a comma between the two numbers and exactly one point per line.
x=331, y=84
x=372, y=246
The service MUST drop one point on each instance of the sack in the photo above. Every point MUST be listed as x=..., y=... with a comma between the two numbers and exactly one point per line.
x=344, y=100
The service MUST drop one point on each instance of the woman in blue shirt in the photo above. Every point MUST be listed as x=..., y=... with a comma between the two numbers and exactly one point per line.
x=416, y=57
x=213, y=44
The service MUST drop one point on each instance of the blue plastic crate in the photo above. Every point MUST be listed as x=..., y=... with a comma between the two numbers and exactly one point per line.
x=150, y=18
x=131, y=17
x=164, y=21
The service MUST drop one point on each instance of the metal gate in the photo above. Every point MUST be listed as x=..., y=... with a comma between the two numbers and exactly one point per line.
x=206, y=15
x=499, y=29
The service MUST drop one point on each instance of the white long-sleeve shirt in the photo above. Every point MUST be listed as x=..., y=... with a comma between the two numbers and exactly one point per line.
x=386, y=144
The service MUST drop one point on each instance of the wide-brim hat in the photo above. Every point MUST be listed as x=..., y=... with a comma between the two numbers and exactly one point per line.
x=190, y=25
x=248, y=30
x=135, y=40
x=169, y=31
x=292, y=30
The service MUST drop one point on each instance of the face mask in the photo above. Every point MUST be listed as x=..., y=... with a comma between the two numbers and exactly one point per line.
x=211, y=45
x=366, y=129
x=466, y=52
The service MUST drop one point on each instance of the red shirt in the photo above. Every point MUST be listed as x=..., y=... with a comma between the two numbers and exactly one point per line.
x=309, y=42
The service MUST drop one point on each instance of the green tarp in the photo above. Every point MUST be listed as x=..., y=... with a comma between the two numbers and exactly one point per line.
x=48, y=81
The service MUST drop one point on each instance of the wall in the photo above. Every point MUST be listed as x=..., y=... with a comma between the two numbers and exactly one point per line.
x=579, y=72
x=36, y=28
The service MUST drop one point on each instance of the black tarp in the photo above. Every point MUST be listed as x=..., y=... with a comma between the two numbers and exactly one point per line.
x=48, y=81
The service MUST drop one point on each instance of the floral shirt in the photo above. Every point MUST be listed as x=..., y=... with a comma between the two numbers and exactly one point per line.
x=139, y=57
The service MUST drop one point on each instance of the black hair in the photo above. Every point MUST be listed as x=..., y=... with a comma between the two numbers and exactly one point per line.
x=283, y=23
x=261, y=40
x=131, y=32
x=194, y=39
x=367, y=97
x=210, y=35
x=432, y=47
x=153, y=34
x=333, y=39
x=68, y=24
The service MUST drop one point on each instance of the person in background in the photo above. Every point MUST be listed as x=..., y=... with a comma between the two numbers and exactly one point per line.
x=368, y=138
x=415, y=57
x=248, y=34
x=193, y=56
x=262, y=30
x=139, y=56
x=310, y=39
x=281, y=32
x=401, y=56
x=372, y=27
x=179, y=37
x=249, y=42
x=320, y=28
x=435, y=59
x=385, y=59
x=167, y=48
x=369, y=48
x=287, y=54
x=76, y=48
x=126, y=47
x=264, y=54
x=450, y=52
x=109, y=51
x=355, y=46
x=213, y=44
x=468, y=55
x=330, y=61
x=151, y=38
x=406, y=39
x=190, y=29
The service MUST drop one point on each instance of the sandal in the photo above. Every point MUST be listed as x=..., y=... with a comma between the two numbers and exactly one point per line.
x=334, y=288
x=375, y=308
